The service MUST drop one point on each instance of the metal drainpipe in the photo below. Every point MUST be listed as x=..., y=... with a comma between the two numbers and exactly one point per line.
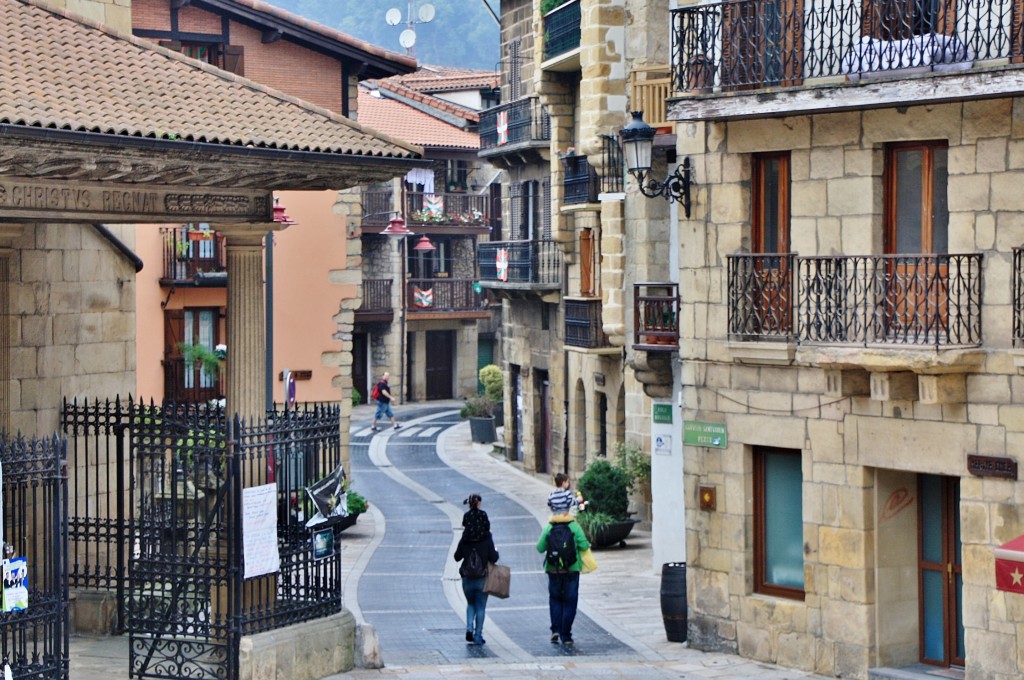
x=269, y=323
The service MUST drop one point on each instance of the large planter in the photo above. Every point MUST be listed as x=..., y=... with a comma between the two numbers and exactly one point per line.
x=613, y=534
x=483, y=430
x=347, y=521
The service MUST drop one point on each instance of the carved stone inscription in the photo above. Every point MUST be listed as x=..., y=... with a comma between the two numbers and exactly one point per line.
x=57, y=200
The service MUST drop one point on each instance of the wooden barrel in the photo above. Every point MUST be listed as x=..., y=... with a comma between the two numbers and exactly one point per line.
x=673, y=600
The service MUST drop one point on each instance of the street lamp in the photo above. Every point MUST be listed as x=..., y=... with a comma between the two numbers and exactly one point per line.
x=637, y=146
x=397, y=230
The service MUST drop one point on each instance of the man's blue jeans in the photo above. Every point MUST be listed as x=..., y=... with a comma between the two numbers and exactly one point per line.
x=563, y=596
x=476, y=607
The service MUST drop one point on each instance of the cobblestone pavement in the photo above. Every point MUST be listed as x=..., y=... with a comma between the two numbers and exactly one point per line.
x=400, y=577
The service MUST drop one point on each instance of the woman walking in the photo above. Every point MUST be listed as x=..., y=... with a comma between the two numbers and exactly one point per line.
x=475, y=550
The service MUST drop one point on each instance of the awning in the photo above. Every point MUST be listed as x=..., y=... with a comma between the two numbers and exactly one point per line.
x=1010, y=566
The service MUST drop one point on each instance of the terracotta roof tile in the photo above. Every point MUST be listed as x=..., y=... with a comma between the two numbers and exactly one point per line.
x=395, y=118
x=429, y=99
x=62, y=71
x=447, y=78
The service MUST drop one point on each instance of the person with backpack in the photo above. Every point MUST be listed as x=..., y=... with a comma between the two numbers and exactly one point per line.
x=563, y=543
x=382, y=394
x=476, y=550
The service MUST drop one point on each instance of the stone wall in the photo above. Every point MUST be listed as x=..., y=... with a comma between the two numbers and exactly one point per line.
x=114, y=14
x=862, y=450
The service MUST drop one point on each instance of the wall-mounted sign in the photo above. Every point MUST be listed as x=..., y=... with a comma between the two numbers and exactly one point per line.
x=991, y=466
x=699, y=433
x=663, y=445
x=662, y=413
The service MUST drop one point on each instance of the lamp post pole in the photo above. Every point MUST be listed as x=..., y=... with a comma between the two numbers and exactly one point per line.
x=397, y=229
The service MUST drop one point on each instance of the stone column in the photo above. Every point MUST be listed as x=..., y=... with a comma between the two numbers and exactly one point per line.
x=8, y=234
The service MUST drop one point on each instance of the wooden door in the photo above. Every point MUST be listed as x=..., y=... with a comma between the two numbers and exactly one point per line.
x=940, y=571
x=771, y=282
x=440, y=360
x=587, y=262
x=914, y=286
x=360, y=372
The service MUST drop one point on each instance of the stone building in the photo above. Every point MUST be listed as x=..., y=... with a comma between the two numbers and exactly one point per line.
x=851, y=310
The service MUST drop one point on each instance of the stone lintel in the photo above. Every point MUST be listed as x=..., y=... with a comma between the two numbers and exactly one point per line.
x=942, y=389
x=924, y=360
x=894, y=386
x=770, y=353
x=854, y=382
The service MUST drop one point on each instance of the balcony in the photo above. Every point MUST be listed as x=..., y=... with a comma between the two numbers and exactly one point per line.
x=656, y=317
x=579, y=183
x=583, y=326
x=447, y=213
x=562, y=37
x=838, y=45
x=901, y=300
x=515, y=133
x=192, y=386
x=376, y=304
x=193, y=257
x=523, y=266
x=445, y=299
x=378, y=208
x=649, y=88
x=614, y=179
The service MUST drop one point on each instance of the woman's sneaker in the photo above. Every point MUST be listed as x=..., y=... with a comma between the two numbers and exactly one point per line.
x=554, y=638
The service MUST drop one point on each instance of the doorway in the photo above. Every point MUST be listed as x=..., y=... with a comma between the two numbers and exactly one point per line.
x=940, y=571
x=543, y=461
x=440, y=364
x=360, y=366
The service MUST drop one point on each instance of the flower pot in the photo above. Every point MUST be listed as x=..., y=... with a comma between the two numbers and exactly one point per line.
x=613, y=534
x=482, y=429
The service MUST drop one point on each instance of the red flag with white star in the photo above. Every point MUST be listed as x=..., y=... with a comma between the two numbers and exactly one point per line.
x=1010, y=566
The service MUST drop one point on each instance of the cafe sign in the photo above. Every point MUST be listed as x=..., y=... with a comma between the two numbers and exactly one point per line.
x=699, y=433
x=65, y=201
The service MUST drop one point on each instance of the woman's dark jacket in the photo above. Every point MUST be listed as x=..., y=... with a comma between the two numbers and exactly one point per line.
x=484, y=547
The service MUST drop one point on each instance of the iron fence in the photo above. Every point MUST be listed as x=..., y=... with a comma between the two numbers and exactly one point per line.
x=562, y=29
x=447, y=209
x=1018, y=297
x=524, y=120
x=378, y=207
x=583, y=324
x=579, y=183
x=752, y=44
x=519, y=262
x=760, y=296
x=34, y=637
x=158, y=519
x=613, y=181
x=890, y=299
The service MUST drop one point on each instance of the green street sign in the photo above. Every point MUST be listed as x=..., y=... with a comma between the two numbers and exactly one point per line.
x=662, y=413
x=698, y=433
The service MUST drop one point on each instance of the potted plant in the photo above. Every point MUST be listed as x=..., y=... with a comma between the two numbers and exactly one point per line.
x=356, y=505
x=636, y=465
x=209, y=359
x=480, y=411
x=605, y=518
x=494, y=389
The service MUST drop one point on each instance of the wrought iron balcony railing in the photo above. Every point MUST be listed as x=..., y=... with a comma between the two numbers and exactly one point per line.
x=748, y=44
x=1018, y=297
x=378, y=207
x=429, y=296
x=376, y=305
x=656, y=317
x=524, y=120
x=192, y=256
x=614, y=178
x=458, y=210
x=882, y=299
x=513, y=263
x=190, y=384
x=648, y=90
x=583, y=324
x=562, y=29
x=761, y=296
x=579, y=183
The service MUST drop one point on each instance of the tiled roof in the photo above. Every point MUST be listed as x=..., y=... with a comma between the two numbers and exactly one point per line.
x=58, y=70
x=428, y=99
x=401, y=120
x=448, y=79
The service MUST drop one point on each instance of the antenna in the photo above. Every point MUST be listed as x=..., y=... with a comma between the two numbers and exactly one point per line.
x=407, y=38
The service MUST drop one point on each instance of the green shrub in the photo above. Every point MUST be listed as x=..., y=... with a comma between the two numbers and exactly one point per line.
x=635, y=465
x=493, y=382
x=357, y=398
x=605, y=489
x=479, y=406
x=355, y=503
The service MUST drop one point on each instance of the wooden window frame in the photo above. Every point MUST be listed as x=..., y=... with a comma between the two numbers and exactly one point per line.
x=927, y=193
x=761, y=585
x=758, y=195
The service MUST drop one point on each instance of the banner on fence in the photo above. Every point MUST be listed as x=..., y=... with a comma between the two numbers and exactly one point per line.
x=329, y=498
x=259, y=530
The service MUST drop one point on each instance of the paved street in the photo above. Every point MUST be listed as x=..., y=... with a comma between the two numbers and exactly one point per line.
x=400, y=576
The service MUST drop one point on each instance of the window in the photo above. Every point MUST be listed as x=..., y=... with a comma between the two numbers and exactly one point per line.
x=762, y=43
x=770, y=209
x=228, y=57
x=916, y=205
x=900, y=19
x=190, y=326
x=778, y=523
x=515, y=70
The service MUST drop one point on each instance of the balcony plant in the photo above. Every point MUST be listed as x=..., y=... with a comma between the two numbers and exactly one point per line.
x=605, y=518
x=209, y=359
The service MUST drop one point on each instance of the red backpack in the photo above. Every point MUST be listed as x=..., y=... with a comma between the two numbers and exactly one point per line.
x=375, y=392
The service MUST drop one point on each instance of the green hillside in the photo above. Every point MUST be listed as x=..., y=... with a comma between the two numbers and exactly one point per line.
x=462, y=33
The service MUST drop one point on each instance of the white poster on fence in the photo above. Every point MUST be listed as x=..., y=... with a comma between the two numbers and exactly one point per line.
x=259, y=530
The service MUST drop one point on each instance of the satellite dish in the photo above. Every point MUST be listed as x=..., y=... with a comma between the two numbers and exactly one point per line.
x=426, y=12
x=407, y=39
x=393, y=17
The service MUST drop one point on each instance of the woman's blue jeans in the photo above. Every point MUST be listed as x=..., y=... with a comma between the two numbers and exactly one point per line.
x=476, y=607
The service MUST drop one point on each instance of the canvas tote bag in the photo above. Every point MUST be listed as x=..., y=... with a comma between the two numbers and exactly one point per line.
x=499, y=577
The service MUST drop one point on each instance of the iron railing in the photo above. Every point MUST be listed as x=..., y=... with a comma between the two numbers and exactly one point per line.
x=753, y=44
x=188, y=257
x=562, y=29
x=761, y=296
x=583, y=326
x=168, y=482
x=613, y=181
x=378, y=207
x=524, y=120
x=34, y=639
x=1018, y=297
x=447, y=209
x=889, y=299
x=189, y=383
x=579, y=183
x=656, y=316
x=376, y=296
x=520, y=262
x=443, y=295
